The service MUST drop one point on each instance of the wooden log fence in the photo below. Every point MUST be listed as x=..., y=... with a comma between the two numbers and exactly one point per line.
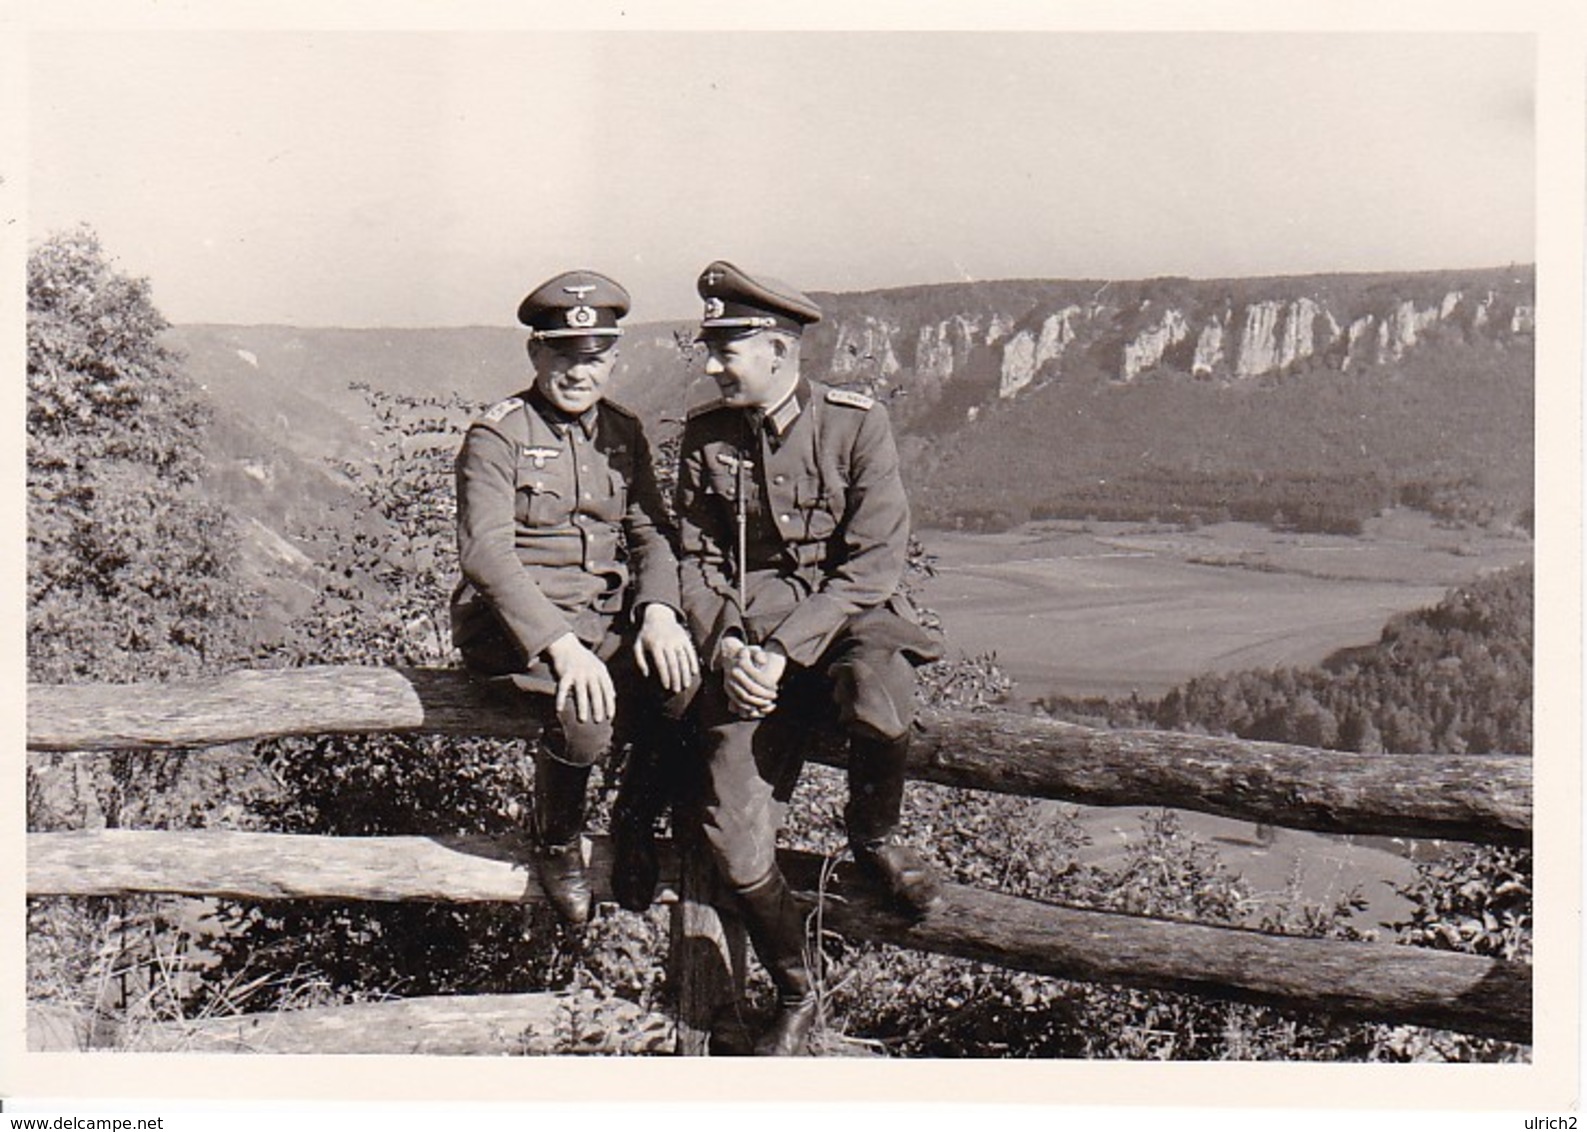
x=1482, y=798
x=1478, y=798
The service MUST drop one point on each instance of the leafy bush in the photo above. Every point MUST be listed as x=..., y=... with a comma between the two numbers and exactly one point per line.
x=1478, y=900
x=131, y=573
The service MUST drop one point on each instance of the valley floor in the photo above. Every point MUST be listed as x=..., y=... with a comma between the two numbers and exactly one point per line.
x=1106, y=609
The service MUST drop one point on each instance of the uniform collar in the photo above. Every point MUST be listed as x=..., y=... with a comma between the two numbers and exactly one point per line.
x=557, y=419
x=781, y=416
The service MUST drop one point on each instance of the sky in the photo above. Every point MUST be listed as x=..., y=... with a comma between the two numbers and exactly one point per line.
x=368, y=178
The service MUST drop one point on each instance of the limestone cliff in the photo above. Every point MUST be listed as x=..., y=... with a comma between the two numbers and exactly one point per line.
x=942, y=347
x=865, y=346
x=1147, y=348
x=1007, y=339
x=1028, y=351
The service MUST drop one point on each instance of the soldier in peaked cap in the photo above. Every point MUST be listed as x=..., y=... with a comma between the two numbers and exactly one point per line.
x=569, y=593
x=794, y=529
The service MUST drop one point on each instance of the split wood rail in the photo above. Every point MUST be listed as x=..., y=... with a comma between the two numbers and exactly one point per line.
x=1474, y=798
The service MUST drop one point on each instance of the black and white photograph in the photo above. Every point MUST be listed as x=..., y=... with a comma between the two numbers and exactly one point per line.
x=565, y=537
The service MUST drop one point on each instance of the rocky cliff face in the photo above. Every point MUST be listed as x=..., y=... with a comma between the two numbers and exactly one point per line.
x=1010, y=338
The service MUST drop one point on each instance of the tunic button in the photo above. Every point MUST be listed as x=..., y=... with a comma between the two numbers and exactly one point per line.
x=779, y=478
x=785, y=518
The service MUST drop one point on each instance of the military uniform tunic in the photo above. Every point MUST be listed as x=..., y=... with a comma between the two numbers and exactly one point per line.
x=561, y=527
x=828, y=530
x=826, y=538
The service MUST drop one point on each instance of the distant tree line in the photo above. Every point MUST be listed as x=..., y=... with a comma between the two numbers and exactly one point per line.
x=1454, y=678
x=1315, y=503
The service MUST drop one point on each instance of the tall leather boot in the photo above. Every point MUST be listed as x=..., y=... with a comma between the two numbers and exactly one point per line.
x=644, y=795
x=776, y=927
x=876, y=796
x=559, y=822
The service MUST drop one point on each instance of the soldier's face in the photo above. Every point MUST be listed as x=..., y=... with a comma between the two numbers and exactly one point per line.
x=571, y=382
x=752, y=372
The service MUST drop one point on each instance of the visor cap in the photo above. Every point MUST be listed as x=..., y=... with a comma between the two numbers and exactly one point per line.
x=576, y=312
x=737, y=303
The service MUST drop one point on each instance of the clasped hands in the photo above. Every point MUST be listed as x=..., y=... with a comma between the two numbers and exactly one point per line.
x=750, y=676
x=663, y=647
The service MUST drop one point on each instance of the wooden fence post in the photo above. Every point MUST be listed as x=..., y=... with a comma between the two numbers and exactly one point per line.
x=707, y=953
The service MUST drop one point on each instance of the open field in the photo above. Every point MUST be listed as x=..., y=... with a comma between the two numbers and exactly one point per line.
x=1104, y=609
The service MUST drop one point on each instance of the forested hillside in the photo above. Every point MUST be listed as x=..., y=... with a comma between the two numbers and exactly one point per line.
x=1320, y=452
x=1453, y=678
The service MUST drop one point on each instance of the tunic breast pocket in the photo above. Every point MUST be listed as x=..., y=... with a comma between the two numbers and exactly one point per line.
x=541, y=501
x=814, y=505
x=608, y=495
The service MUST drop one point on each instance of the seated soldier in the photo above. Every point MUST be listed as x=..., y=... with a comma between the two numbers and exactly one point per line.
x=794, y=529
x=569, y=593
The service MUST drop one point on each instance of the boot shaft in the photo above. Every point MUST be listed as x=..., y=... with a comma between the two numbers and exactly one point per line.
x=876, y=787
x=776, y=926
x=560, y=790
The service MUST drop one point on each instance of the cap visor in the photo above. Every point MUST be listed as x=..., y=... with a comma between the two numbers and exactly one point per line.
x=581, y=345
x=725, y=333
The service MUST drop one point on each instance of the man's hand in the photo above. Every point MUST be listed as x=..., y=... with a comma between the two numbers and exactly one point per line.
x=751, y=679
x=582, y=676
x=728, y=648
x=664, y=643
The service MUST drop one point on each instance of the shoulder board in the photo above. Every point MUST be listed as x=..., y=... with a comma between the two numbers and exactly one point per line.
x=620, y=410
x=702, y=409
x=850, y=398
x=500, y=409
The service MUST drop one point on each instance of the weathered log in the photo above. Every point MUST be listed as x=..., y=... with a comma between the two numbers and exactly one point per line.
x=1484, y=798
x=494, y=1024
x=1378, y=982
x=1348, y=980
x=281, y=866
x=268, y=703
x=1456, y=797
